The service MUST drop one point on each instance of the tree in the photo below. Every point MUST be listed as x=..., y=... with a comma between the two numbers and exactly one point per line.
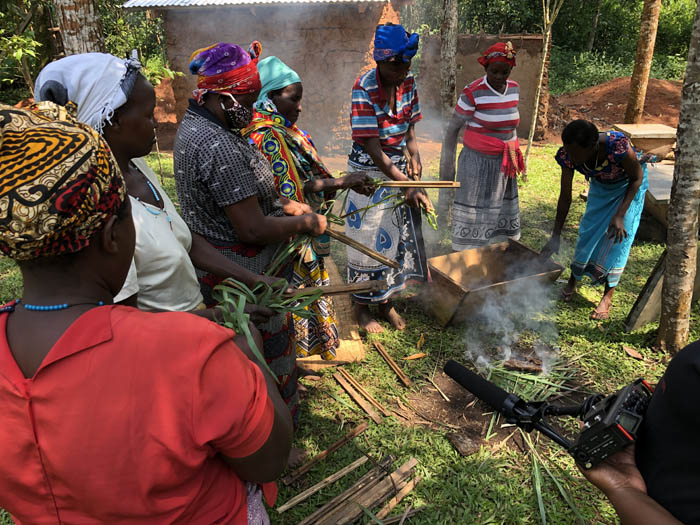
x=682, y=241
x=594, y=26
x=448, y=57
x=550, y=11
x=642, y=61
x=81, y=27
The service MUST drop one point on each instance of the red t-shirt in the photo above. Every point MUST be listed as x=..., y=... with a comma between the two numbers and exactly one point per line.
x=123, y=420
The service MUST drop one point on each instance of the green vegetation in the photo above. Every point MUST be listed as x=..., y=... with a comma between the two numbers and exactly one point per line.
x=501, y=483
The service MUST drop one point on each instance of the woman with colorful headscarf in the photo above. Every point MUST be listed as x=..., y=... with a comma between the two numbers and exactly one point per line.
x=111, y=414
x=618, y=183
x=227, y=190
x=114, y=97
x=385, y=110
x=486, y=205
x=301, y=176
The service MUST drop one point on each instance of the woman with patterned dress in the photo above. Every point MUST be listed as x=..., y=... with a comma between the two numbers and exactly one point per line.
x=301, y=176
x=227, y=190
x=486, y=207
x=618, y=182
x=385, y=110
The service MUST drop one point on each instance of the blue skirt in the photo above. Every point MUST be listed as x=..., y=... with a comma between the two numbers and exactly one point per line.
x=596, y=255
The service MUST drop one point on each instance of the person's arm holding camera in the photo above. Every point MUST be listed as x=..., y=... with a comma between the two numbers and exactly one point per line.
x=620, y=480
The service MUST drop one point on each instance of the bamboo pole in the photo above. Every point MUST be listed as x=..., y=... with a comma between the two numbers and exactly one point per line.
x=354, y=382
x=357, y=398
x=392, y=364
x=420, y=184
x=359, y=429
x=362, y=249
x=339, y=289
x=408, y=487
x=322, y=484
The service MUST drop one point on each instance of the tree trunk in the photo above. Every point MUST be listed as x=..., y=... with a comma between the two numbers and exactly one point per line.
x=679, y=277
x=642, y=61
x=81, y=27
x=594, y=26
x=538, y=91
x=542, y=124
x=448, y=57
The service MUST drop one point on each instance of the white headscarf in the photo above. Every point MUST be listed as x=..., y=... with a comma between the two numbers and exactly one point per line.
x=97, y=83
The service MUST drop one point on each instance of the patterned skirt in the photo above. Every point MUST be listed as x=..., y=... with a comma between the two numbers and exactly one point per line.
x=486, y=208
x=317, y=335
x=277, y=334
x=394, y=232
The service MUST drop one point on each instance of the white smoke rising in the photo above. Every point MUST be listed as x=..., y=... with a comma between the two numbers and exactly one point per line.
x=521, y=319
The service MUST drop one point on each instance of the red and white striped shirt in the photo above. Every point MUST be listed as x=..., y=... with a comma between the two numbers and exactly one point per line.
x=489, y=112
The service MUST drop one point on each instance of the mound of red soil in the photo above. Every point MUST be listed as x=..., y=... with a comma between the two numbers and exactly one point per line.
x=605, y=104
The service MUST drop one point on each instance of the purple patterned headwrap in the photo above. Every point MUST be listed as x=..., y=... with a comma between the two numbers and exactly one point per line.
x=226, y=68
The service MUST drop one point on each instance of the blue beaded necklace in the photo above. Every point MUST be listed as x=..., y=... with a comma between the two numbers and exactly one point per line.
x=44, y=308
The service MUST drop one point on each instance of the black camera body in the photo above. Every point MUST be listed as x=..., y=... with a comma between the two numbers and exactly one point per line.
x=611, y=424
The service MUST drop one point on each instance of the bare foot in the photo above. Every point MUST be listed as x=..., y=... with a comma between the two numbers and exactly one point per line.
x=602, y=311
x=365, y=320
x=388, y=312
x=296, y=456
x=568, y=292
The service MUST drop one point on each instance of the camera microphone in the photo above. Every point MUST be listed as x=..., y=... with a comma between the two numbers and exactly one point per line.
x=485, y=390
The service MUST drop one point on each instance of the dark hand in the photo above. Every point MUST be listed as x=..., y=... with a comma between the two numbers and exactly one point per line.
x=258, y=314
x=415, y=198
x=415, y=168
x=616, y=229
x=360, y=182
x=317, y=224
x=294, y=208
x=618, y=472
x=551, y=247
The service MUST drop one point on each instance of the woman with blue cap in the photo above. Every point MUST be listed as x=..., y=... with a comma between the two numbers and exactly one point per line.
x=301, y=176
x=385, y=110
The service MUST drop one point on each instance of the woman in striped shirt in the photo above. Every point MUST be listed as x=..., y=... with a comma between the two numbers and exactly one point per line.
x=486, y=205
x=384, y=110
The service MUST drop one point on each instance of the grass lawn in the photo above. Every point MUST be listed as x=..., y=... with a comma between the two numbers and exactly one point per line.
x=499, y=483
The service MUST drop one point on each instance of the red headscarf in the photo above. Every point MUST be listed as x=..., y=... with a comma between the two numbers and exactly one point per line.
x=499, y=52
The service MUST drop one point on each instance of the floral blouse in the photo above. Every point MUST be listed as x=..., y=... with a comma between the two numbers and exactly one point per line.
x=610, y=171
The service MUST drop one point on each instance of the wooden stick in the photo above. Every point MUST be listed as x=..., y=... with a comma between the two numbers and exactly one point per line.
x=357, y=398
x=354, y=382
x=336, y=362
x=448, y=184
x=371, y=478
x=408, y=487
x=339, y=289
x=359, y=429
x=438, y=389
x=362, y=249
x=322, y=484
x=352, y=509
x=392, y=364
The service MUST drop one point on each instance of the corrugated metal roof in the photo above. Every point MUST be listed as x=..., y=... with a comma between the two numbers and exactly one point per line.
x=149, y=4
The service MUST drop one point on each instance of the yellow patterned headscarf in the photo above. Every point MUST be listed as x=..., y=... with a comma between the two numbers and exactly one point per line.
x=59, y=182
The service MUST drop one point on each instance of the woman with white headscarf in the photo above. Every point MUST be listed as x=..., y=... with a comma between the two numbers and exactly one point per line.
x=113, y=97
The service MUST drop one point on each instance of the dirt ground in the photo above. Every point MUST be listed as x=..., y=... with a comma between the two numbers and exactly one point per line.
x=603, y=104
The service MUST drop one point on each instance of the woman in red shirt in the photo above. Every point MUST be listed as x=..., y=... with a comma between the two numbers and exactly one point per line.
x=111, y=414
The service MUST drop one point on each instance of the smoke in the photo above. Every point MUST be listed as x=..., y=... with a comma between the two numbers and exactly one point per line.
x=516, y=323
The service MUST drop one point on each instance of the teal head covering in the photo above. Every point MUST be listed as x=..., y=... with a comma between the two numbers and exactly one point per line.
x=274, y=75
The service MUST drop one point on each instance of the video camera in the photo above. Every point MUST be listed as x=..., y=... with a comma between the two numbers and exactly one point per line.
x=609, y=423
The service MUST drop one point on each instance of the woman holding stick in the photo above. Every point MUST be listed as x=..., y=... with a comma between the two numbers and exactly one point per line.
x=227, y=190
x=618, y=182
x=300, y=176
x=111, y=414
x=385, y=110
x=486, y=205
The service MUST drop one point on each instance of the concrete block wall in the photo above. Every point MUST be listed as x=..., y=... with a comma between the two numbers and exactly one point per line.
x=528, y=57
